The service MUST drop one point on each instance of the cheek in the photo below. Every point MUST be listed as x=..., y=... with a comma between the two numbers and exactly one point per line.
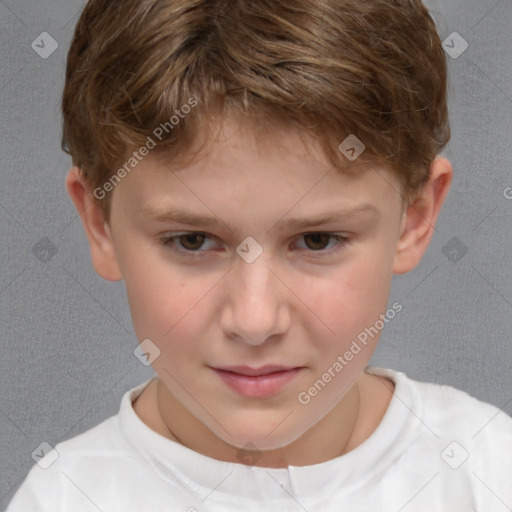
x=170, y=314
x=353, y=297
x=161, y=299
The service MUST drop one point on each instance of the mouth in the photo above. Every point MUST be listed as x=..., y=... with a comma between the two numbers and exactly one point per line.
x=247, y=371
x=259, y=382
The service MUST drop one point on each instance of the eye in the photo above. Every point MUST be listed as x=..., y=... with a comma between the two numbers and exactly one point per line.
x=186, y=243
x=192, y=244
x=318, y=242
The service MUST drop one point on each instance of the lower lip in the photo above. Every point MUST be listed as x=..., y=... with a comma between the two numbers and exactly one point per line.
x=260, y=386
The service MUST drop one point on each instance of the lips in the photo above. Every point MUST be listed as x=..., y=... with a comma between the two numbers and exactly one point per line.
x=255, y=372
x=261, y=382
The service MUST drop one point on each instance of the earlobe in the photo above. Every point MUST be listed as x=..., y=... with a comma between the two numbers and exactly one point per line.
x=96, y=228
x=420, y=217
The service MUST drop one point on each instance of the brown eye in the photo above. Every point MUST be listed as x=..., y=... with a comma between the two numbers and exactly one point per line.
x=322, y=244
x=317, y=241
x=191, y=241
x=189, y=245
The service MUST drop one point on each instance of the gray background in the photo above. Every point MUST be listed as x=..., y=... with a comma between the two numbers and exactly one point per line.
x=66, y=335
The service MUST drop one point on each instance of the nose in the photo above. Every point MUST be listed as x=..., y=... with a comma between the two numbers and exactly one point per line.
x=257, y=303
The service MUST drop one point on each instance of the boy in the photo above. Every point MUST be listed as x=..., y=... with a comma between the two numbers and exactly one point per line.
x=259, y=130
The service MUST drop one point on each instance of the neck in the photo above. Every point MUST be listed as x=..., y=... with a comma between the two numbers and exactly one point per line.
x=330, y=437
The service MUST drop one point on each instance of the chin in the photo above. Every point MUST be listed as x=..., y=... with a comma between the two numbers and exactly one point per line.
x=253, y=436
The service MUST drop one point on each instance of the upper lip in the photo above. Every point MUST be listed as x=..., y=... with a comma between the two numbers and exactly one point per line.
x=251, y=372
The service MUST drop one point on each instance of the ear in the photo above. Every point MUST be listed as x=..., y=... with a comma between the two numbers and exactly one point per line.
x=420, y=217
x=103, y=255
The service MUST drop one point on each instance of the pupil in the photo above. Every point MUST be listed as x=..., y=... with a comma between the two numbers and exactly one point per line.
x=317, y=239
x=187, y=239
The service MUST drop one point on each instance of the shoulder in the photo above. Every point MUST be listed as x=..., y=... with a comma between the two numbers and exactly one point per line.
x=57, y=467
x=448, y=408
x=76, y=465
x=459, y=441
x=455, y=410
x=470, y=430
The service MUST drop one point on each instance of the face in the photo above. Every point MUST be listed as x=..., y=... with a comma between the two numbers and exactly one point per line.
x=256, y=253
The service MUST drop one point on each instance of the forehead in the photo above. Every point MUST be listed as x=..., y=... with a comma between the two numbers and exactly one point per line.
x=254, y=146
x=235, y=165
x=264, y=135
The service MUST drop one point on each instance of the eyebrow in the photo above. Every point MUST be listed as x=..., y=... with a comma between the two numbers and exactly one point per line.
x=188, y=217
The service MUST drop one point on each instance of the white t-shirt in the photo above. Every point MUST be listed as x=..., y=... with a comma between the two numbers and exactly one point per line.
x=436, y=449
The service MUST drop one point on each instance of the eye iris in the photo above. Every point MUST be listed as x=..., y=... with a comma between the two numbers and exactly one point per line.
x=192, y=236
x=317, y=239
x=314, y=241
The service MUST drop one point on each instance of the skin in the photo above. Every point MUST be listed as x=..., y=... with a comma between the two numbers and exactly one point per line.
x=295, y=305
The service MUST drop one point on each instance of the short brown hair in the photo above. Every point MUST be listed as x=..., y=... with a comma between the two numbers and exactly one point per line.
x=372, y=68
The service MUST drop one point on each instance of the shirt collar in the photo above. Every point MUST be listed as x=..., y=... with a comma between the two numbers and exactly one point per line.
x=205, y=475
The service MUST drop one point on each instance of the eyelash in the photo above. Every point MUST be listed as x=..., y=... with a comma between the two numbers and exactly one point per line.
x=170, y=243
